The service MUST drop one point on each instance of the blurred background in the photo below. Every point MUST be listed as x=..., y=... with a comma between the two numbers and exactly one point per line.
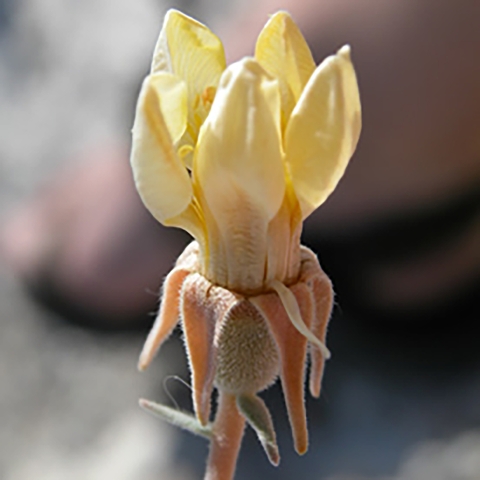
x=82, y=261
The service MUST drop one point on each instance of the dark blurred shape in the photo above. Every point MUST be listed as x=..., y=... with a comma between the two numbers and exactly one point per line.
x=6, y=12
x=359, y=260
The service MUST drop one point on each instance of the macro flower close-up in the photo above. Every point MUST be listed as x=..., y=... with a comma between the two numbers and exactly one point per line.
x=239, y=156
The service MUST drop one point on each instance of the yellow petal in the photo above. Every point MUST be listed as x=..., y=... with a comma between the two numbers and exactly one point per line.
x=239, y=143
x=323, y=131
x=239, y=168
x=284, y=53
x=192, y=52
x=160, y=176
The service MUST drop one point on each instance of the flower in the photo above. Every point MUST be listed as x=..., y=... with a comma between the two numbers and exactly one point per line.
x=239, y=156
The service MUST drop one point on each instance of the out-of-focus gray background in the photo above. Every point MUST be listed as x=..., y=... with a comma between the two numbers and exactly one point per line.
x=68, y=396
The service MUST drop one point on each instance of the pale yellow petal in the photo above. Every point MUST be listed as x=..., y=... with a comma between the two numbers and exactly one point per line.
x=160, y=176
x=191, y=51
x=240, y=143
x=284, y=53
x=323, y=131
x=172, y=96
x=239, y=168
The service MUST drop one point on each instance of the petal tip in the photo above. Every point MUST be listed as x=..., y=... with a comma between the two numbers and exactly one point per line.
x=345, y=51
x=174, y=14
x=281, y=15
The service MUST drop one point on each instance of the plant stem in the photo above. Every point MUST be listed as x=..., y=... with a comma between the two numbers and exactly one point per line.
x=227, y=436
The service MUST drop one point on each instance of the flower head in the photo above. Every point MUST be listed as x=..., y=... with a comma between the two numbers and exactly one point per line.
x=239, y=156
